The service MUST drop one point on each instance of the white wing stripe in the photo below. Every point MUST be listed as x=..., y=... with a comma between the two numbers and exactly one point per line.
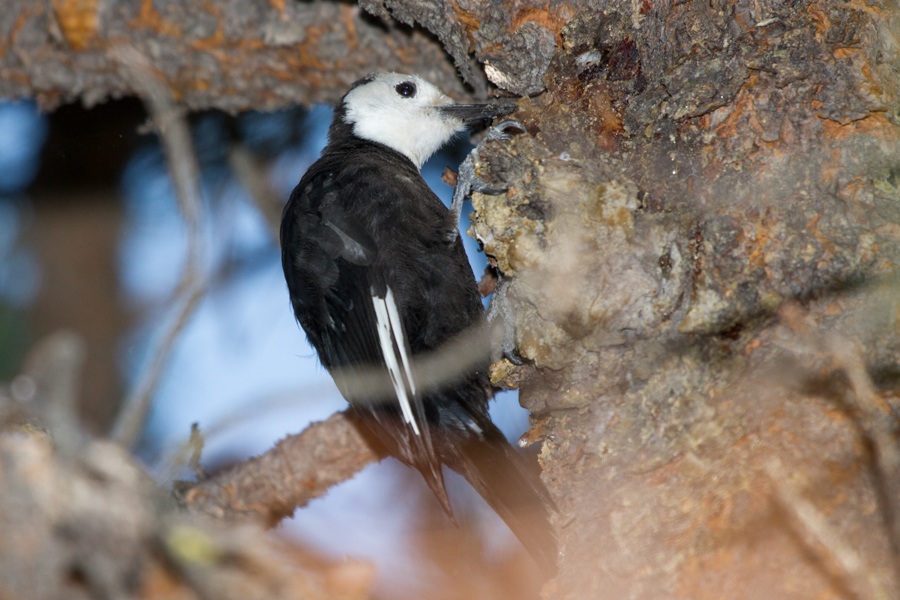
x=384, y=308
x=397, y=327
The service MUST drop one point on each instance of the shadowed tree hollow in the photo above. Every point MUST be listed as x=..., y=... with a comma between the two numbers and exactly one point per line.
x=701, y=226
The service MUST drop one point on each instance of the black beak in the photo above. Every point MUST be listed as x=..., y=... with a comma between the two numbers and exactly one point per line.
x=471, y=114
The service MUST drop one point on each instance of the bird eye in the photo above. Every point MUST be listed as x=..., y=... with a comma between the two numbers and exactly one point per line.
x=406, y=89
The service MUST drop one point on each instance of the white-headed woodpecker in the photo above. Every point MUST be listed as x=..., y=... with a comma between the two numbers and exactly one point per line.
x=377, y=284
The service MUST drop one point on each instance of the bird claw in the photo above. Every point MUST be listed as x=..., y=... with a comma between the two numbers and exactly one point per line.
x=505, y=130
x=468, y=182
x=512, y=356
x=501, y=313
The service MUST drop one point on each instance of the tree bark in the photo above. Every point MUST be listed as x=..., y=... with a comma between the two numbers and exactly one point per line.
x=702, y=219
x=227, y=54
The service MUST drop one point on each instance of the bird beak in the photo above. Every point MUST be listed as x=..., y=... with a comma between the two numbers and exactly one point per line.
x=471, y=114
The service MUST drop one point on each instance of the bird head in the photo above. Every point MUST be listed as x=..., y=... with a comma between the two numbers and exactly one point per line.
x=409, y=114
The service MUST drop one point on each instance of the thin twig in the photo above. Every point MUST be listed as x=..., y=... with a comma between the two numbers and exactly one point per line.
x=185, y=171
x=824, y=541
x=196, y=444
x=874, y=422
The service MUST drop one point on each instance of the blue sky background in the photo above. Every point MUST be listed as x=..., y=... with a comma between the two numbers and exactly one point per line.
x=242, y=368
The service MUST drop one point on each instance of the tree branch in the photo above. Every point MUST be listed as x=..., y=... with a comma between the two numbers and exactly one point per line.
x=299, y=468
x=836, y=555
x=185, y=171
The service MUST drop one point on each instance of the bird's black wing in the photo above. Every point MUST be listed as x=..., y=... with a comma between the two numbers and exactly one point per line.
x=360, y=239
x=343, y=297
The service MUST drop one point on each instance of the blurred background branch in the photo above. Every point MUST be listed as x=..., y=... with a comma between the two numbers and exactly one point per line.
x=172, y=128
x=85, y=521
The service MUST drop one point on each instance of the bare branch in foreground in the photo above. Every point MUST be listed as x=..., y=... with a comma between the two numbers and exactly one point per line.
x=872, y=418
x=53, y=369
x=94, y=525
x=299, y=468
x=837, y=556
x=875, y=422
x=182, y=161
x=80, y=519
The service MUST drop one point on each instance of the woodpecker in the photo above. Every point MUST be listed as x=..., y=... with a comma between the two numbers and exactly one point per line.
x=379, y=281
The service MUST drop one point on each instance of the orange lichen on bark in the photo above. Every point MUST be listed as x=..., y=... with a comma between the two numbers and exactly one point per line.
x=607, y=122
x=850, y=192
x=469, y=20
x=758, y=241
x=732, y=125
x=217, y=39
x=813, y=226
x=149, y=18
x=78, y=21
x=875, y=124
x=882, y=13
x=350, y=27
x=823, y=24
x=21, y=20
x=857, y=58
x=753, y=345
x=553, y=20
x=306, y=51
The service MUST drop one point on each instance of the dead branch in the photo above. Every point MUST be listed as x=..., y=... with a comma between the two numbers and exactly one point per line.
x=835, y=554
x=79, y=519
x=263, y=56
x=870, y=414
x=875, y=422
x=53, y=369
x=185, y=171
x=93, y=525
x=299, y=468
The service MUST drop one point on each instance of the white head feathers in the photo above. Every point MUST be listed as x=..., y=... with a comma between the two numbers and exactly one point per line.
x=402, y=112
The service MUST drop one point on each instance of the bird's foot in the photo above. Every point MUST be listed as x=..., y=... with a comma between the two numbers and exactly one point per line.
x=467, y=181
x=502, y=320
x=505, y=131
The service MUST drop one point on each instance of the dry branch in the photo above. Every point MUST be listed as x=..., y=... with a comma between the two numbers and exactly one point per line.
x=252, y=176
x=256, y=54
x=299, y=468
x=79, y=519
x=93, y=525
x=874, y=421
x=185, y=171
x=836, y=555
x=877, y=424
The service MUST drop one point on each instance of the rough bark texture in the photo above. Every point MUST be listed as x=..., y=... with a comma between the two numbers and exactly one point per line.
x=737, y=157
x=703, y=219
x=229, y=54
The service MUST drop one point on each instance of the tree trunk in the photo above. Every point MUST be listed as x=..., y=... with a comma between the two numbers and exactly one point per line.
x=702, y=219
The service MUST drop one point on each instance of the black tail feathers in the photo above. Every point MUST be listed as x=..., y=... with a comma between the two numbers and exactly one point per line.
x=509, y=483
x=505, y=478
